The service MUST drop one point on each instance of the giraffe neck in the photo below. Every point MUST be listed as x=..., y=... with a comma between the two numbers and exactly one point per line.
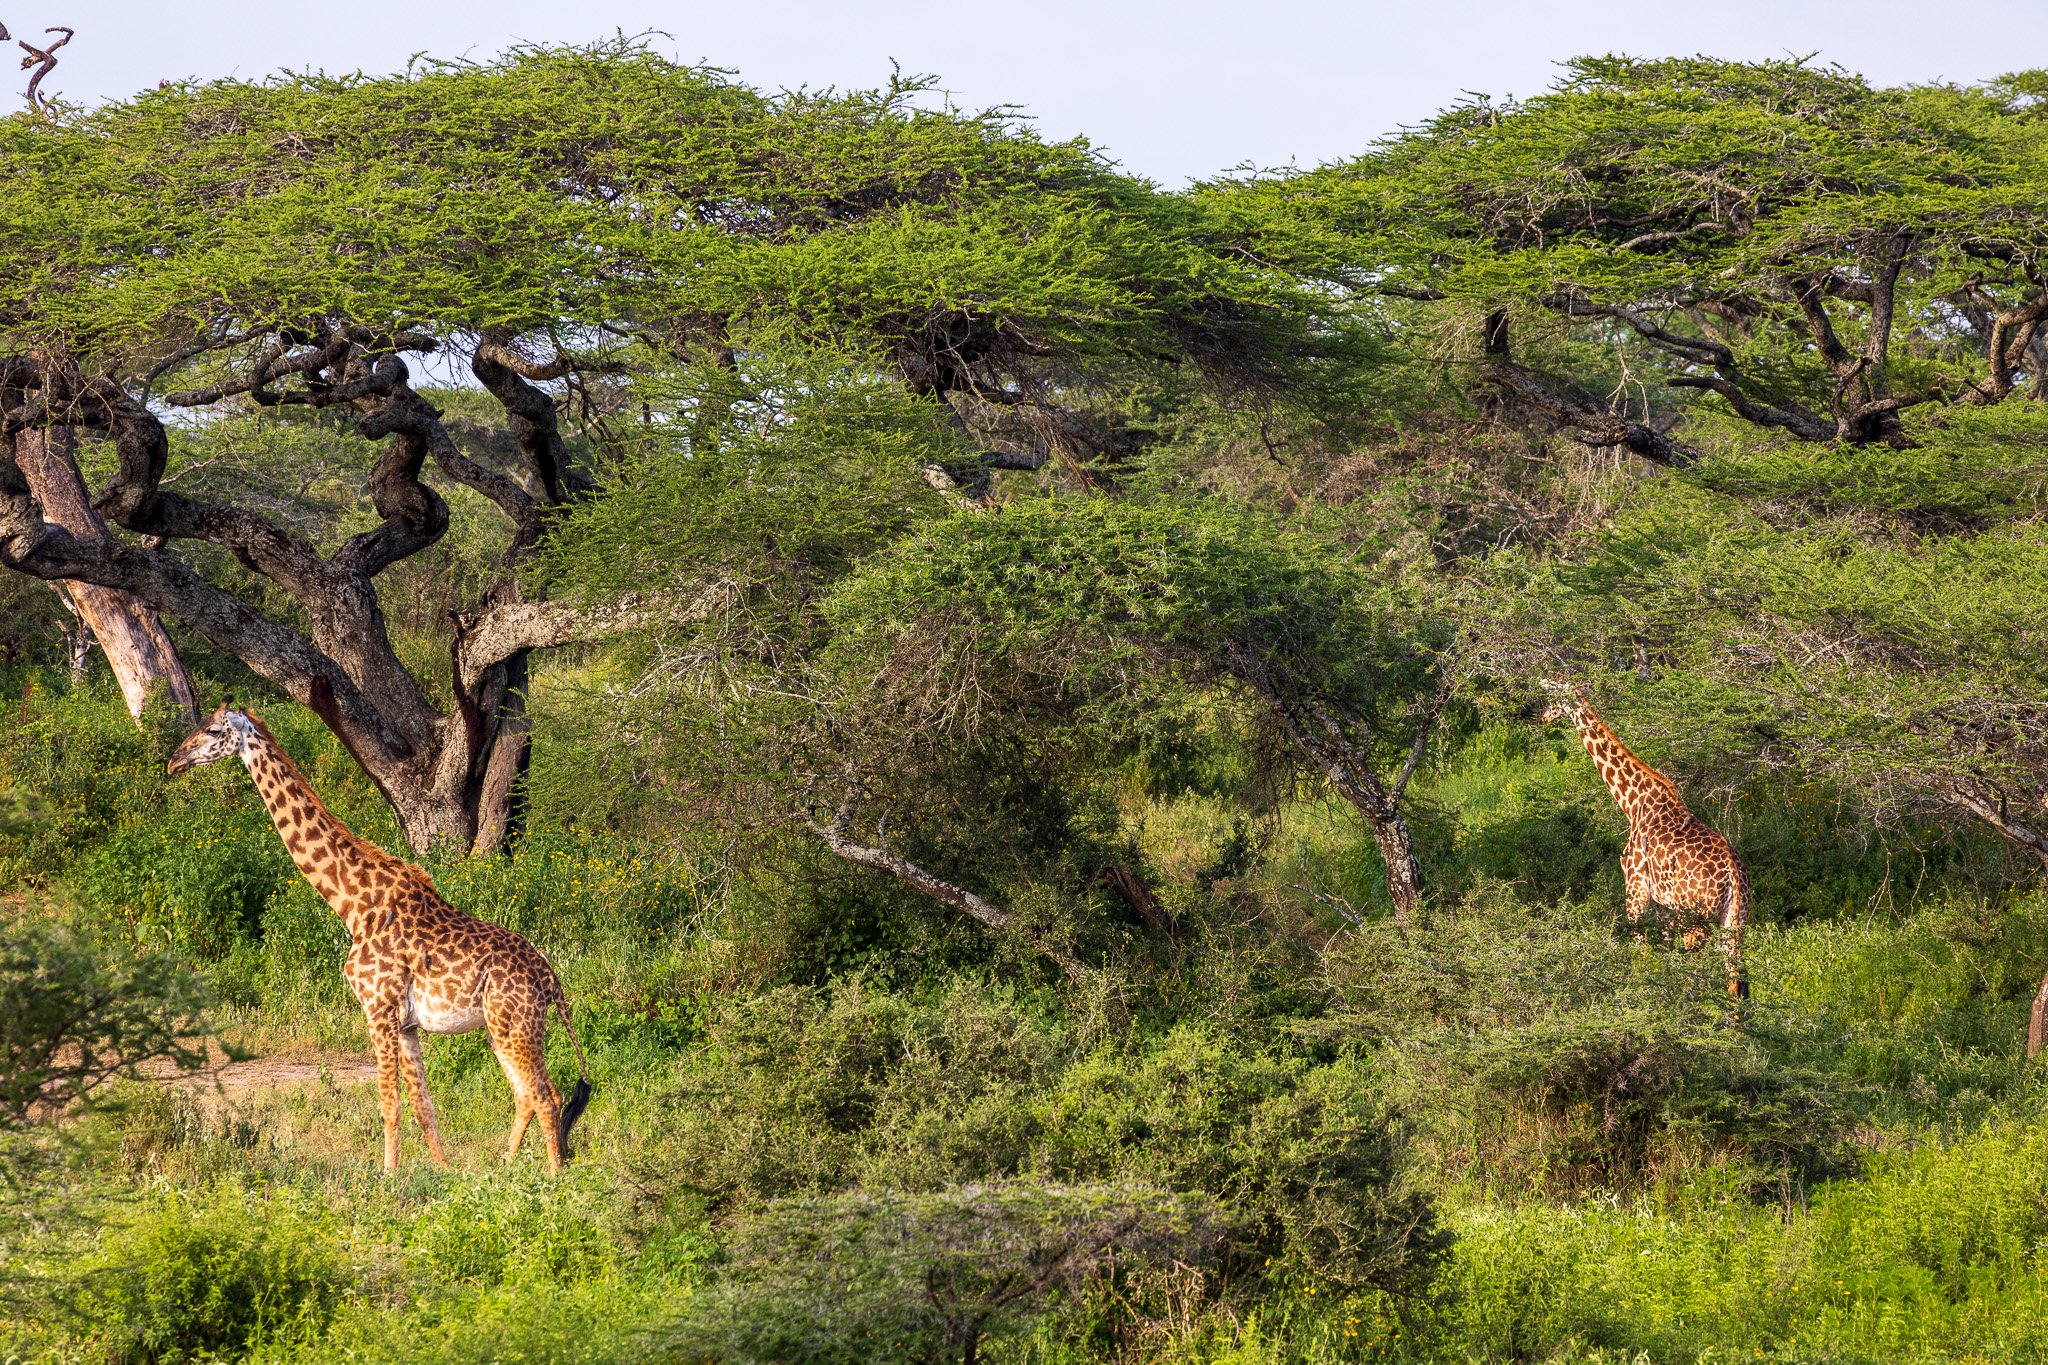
x=1637, y=787
x=327, y=853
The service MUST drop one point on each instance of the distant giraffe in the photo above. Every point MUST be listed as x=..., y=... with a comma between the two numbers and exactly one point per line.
x=416, y=962
x=1671, y=857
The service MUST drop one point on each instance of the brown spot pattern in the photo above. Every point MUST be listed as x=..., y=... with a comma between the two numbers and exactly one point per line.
x=414, y=957
x=1671, y=857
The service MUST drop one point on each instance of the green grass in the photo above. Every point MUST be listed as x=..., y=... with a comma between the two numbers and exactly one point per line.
x=185, y=1226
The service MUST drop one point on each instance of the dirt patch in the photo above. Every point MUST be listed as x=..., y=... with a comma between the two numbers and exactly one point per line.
x=268, y=1073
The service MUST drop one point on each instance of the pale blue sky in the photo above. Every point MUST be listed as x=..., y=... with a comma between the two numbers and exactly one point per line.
x=1170, y=90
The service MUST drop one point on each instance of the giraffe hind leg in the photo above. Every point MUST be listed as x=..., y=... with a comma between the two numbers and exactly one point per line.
x=521, y=1116
x=1733, y=922
x=518, y=1045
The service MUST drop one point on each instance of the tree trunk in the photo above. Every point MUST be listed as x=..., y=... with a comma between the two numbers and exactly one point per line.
x=1349, y=768
x=1397, y=850
x=501, y=793
x=1352, y=775
x=2037, y=1021
x=128, y=629
x=78, y=639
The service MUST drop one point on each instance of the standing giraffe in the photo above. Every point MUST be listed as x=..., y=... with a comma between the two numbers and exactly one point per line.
x=1671, y=857
x=416, y=962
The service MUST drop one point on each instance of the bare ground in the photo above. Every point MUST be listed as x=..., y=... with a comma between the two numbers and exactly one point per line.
x=268, y=1073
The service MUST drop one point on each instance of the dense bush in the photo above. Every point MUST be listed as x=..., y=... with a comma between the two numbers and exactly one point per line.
x=1307, y=1155
x=1550, y=1055
x=801, y=1092
x=928, y=1278
x=214, y=1279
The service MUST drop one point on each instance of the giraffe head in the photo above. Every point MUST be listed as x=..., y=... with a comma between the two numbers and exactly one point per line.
x=1567, y=699
x=224, y=734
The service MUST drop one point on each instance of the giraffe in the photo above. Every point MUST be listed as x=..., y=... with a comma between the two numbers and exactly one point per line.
x=415, y=961
x=1671, y=857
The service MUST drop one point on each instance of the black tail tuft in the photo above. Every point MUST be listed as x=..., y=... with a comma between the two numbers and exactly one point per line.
x=573, y=1110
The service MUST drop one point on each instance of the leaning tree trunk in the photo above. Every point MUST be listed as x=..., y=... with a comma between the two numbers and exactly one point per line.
x=1989, y=805
x=1353, y=777
x=1328, y=741
x=128, y=629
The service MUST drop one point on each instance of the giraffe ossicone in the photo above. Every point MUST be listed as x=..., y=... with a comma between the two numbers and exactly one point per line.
x=415, y=961
x=1672, y=857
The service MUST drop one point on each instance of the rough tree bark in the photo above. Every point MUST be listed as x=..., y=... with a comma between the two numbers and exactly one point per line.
x=128, y=630
x=450, y=776
x=1350, y=771
x=1327, y=739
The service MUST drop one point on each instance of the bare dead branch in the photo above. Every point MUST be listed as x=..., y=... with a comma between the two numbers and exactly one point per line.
x=838, y=838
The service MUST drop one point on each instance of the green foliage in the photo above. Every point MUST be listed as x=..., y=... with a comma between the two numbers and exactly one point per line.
x=1078, y=593
x=930, y=1277
x=216, y=1280
x=1549, y=1055
x=796, y=1093
x=202, y=895
x=1929, y=1011
x=487, y=1233
x=72, y=1018
x=799, y=1092
x=812, y=462
x=572, y=892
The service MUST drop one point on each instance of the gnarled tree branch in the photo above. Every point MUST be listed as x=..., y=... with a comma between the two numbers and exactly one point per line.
x=880, y=857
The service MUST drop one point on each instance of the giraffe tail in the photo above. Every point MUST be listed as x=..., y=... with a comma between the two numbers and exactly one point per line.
x=1733, y=922
x=580, y=1100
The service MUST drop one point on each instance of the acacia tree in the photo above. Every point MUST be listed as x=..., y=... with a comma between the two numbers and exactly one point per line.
x=128, y=630
x=1083, y=600
x=559, y=222
x=1820, y=256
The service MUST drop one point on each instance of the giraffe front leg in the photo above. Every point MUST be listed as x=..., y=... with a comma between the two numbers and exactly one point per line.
x=415, y=1066
x=1638, y=903
x=384, y=1038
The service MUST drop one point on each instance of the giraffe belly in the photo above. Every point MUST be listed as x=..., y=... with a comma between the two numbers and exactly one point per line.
x=437, y=1014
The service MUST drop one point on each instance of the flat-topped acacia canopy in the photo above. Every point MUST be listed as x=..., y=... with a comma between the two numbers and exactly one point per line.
x=1820, y=255
x=560, y=223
